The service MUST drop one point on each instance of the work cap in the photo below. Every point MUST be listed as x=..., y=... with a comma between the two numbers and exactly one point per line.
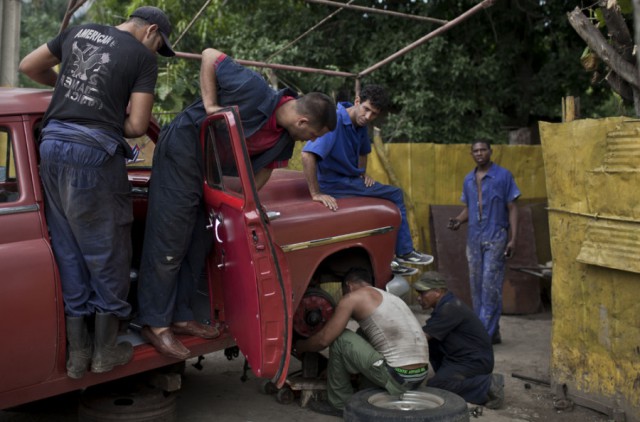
x=430, y=280
x=153, y=15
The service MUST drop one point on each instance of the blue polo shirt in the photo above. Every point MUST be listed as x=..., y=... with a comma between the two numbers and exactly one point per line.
x=340, y=149
x=498, y=189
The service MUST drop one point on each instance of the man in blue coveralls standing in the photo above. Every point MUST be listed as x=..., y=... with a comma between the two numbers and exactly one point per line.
x=335, y=166
x=489, y=193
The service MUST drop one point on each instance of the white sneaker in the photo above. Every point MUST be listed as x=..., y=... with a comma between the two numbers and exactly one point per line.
x=398, y=269
x=415, y=257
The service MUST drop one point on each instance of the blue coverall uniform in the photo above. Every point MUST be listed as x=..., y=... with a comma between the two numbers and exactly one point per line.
x=487, y=238
x=176, y=242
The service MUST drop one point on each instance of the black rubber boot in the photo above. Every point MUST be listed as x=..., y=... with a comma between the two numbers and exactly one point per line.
x=79, y=351
x=106, y=353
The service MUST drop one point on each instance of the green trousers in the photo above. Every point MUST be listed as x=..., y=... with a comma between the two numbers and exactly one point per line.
x=351, y=354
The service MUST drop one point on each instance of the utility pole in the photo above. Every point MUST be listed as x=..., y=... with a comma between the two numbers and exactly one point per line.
x=9, y=41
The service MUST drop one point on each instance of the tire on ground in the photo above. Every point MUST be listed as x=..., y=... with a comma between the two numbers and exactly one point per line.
x=434, y=405
x=141, y=403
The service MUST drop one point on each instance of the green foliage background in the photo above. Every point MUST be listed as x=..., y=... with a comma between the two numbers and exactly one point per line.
x=504, y=68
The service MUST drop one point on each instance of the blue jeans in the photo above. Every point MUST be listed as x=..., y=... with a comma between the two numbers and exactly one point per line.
x=354, y=186
x=89, y=214
x=486, y=276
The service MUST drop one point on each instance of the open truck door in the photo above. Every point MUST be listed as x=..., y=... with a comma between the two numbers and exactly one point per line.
x=256, y=296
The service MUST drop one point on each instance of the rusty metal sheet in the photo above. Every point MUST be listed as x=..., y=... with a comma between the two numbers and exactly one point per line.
x=521, y=292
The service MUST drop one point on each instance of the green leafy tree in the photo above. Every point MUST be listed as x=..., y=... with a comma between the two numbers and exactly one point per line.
x=40, y=21
x=503, y=68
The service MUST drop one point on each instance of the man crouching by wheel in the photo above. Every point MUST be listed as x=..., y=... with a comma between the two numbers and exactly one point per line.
x=389, y=350
x=460, y=348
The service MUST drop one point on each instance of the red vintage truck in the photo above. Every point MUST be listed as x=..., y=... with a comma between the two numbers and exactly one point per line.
x=273, y=250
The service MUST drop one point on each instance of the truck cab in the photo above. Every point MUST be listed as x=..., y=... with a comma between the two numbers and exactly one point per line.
x=273, y=273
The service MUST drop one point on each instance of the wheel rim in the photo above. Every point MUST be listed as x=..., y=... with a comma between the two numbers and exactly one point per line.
x=409, y=401
x=315, y=309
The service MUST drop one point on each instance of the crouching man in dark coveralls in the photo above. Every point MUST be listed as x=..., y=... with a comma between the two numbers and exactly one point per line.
x=460, y=350
x=392, y=353
x=176, y=242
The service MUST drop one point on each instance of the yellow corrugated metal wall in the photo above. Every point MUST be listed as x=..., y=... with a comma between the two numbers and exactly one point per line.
x=593, y=174
x=4, y=149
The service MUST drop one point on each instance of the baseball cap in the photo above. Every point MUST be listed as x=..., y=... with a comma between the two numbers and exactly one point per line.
x=153, y=15
x=430, y=280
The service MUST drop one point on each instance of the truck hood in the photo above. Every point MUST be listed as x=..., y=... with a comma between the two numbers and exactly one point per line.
x=303, y=220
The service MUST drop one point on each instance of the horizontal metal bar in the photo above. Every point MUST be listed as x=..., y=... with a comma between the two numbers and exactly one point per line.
x=378, y=11
x=194, y=56
x=450, y=24
x=595, y=216
x=530, y=379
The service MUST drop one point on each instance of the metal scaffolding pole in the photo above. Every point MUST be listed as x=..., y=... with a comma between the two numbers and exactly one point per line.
x=475, y=9
x=252, y=63
x=378, y=11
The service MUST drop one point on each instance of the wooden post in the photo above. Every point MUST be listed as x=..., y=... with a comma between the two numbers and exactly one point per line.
x=9, y=41
x=570, y=108
x=393, y=179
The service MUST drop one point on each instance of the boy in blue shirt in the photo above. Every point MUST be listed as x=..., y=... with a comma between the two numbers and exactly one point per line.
x=335, y=166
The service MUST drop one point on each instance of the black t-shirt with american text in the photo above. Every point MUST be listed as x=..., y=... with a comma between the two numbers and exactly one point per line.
x=100, y=67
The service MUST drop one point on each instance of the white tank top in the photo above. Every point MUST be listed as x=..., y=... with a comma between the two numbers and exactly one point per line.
x=395, y=332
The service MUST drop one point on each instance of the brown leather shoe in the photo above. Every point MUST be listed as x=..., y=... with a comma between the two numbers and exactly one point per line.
x=194, y=328
x=166, y=343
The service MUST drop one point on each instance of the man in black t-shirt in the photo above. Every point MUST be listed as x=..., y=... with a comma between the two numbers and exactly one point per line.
x=83, y=169
x=460, y=350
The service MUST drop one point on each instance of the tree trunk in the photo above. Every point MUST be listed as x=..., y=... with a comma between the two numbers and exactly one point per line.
x=393, y=179
x=599, y=45
x=618, y=31
x=618, y=85
x=636, y=26
x=9, y=41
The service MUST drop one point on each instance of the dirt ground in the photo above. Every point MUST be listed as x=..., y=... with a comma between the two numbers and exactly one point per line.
x=217, y=393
